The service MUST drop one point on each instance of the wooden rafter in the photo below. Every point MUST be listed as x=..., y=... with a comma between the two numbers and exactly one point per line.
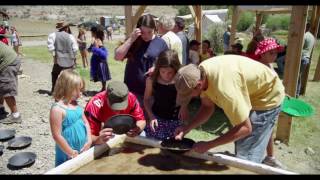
x=138, y=14
x=315, y=29
x=235, y=18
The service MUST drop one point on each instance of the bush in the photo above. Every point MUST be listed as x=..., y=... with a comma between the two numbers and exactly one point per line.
x=280, y=33
x=182, y=10
x=277, y=22
x=245, y=20
x=215, y=36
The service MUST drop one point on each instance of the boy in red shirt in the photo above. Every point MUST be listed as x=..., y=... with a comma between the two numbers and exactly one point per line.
x=113, y=101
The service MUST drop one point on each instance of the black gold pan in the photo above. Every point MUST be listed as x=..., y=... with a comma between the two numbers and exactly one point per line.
x=177, y=146
x=120, y=124
x=19, y=142
x=6, y=134
x=22, y=159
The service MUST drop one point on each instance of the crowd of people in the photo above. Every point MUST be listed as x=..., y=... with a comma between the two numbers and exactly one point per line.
x=164, y=71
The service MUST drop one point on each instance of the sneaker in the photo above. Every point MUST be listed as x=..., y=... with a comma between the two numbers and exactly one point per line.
x=10, y=119
x=271, y=161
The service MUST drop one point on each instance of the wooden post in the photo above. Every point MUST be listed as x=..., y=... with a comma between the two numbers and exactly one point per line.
x=314, y=30
x=292, y=66
x=235, y=17
x=192, y=11
x=137, y=15
x=198, y=22
x=259, y=16
x=128, y=15
x=316, y=76
x=317, y=72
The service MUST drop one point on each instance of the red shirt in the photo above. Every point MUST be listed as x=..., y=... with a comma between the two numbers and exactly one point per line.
x=100, y=110
x=253, y=56
x=4, y=39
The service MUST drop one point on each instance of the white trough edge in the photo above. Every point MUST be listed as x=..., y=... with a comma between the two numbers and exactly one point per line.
x=86, y=157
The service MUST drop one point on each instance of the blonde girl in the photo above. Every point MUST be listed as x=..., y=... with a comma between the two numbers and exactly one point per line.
x=69, y=126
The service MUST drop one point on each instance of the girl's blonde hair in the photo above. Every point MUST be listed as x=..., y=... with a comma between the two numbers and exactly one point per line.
x=67, y=82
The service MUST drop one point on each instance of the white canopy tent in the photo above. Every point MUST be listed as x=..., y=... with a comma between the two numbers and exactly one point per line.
x=209, y=17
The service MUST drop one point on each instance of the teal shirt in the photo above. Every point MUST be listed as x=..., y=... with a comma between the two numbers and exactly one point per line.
x=73, y=130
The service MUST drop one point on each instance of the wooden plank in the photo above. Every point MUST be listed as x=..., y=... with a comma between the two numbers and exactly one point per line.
x=259, y=17
x=216, y=157
x=87, y=156
x=314, y=30
x=292, y=65
x=192, y=11
x=316, y=76
x=128, y=20
x=137, y=15
x=235, y=17
x=317, y=71
x=198, y=23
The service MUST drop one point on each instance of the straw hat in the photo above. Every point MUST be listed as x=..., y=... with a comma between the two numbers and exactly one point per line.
x=61, y=25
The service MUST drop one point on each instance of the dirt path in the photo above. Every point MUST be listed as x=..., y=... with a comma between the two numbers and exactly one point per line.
x=34, y=105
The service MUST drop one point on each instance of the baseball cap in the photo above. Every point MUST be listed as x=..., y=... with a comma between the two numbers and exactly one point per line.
x=117, y=95
x=186, y=79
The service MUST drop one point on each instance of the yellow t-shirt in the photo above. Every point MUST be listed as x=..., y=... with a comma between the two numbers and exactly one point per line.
x=238, y=85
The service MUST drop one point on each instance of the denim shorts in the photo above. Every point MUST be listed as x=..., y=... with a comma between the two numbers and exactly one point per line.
x=253, y=147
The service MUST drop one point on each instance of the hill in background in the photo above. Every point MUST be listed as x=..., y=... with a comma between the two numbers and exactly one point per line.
x=77, y=13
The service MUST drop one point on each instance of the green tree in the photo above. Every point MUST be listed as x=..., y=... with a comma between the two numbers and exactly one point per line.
x=245, y=20
x=215, y=36
x=182, y=10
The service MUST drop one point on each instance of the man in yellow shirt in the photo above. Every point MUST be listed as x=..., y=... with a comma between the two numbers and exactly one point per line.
x=249, y=93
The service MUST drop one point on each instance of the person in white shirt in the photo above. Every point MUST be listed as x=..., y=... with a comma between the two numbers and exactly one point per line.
x=194, y=56
x=63, y=47
x=165, y=27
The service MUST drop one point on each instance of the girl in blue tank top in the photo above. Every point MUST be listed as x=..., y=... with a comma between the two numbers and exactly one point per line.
x=69, y=127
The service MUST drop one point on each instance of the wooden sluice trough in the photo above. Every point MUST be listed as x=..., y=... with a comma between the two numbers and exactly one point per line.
x=141, y=155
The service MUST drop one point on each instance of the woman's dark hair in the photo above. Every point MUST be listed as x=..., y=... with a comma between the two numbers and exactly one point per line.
x=98, y=32
x=147, y=21
x=168, y=58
